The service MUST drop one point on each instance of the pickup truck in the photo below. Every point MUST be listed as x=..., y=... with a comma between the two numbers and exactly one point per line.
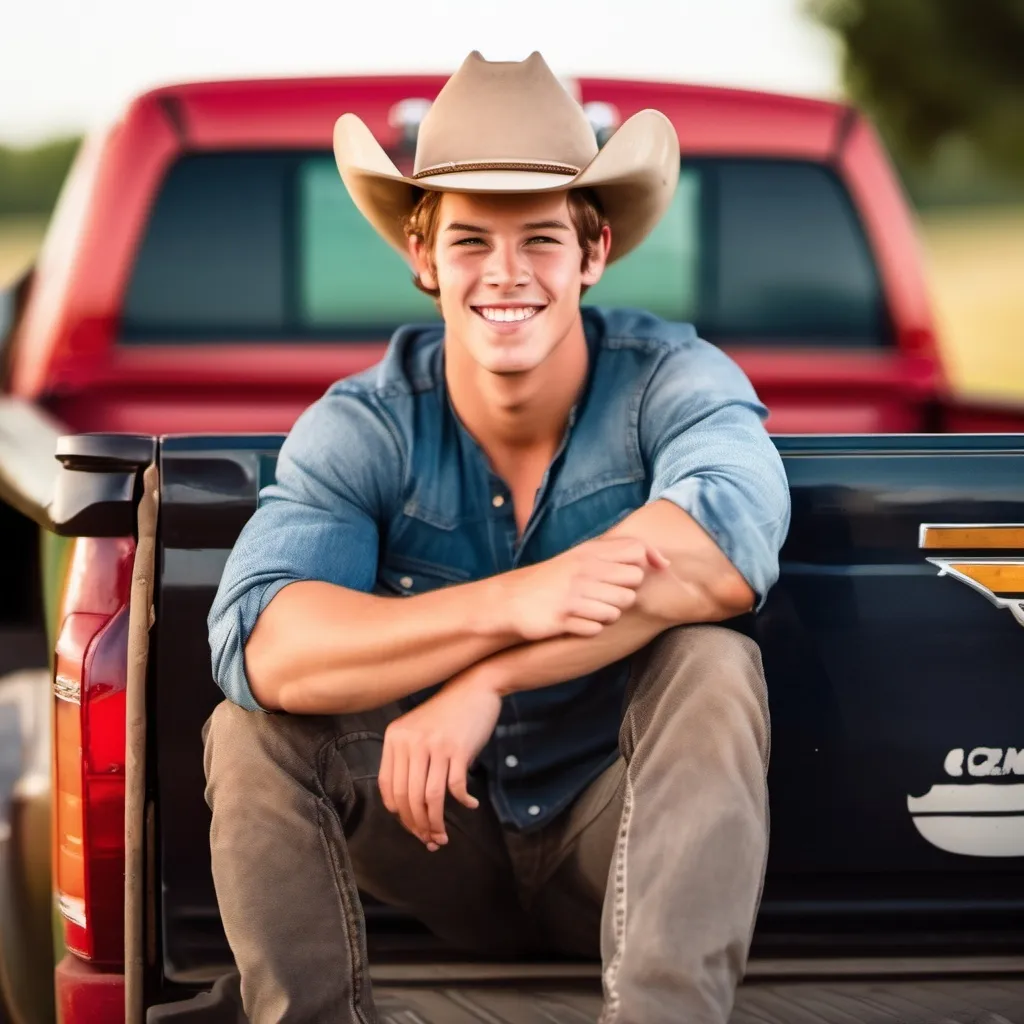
x=205, y=277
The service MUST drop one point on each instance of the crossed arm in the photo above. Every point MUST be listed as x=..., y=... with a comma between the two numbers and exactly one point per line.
x=520, y=630
x=526, y=629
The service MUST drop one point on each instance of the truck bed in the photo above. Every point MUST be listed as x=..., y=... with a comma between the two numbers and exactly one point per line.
x=471, y=994
x=839, y=1002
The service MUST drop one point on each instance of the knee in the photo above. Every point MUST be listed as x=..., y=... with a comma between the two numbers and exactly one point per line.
x=241, y=744
x=228, y=745
x=227, y=719
x=701, y=658
x=700, y=675
x=231, y=729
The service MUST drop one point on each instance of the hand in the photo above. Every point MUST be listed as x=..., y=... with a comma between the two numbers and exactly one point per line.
x=429, y=750
x=580, y=591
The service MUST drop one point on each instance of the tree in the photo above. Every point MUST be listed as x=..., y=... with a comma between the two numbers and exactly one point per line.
x=931, y=71
x=31, y=178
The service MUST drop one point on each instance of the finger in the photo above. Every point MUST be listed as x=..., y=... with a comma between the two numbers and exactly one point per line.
x=596, y=611
x=575, y=626
x=606, y=593
x=400, y=786
x=458, y=771
x=619, y=574
x=624, y=549
x=419, y=760
x=657, y=559
x=437, y=778
x=385, y=775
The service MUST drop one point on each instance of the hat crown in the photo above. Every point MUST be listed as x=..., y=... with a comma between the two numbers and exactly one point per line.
x=504, y=113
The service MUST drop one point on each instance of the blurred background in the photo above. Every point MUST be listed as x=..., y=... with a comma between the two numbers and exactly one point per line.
x=942, y=79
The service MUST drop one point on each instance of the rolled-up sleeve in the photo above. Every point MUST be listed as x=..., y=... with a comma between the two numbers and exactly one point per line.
x=703, y=438
x=337, y=475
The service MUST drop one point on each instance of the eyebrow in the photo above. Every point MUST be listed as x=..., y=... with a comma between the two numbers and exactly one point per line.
x=457, y=226
x=540, y=225
x=546, y=225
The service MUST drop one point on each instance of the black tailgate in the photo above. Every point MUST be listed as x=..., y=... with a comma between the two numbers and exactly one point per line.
x=878, y=669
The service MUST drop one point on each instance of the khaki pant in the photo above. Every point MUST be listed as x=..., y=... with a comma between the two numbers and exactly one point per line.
x=657, y=866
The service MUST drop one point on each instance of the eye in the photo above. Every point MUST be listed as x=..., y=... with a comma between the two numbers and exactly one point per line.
x=543, y=238
x=469, y=241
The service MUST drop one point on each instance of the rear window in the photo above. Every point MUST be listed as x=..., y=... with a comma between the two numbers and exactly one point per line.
x=269, y=247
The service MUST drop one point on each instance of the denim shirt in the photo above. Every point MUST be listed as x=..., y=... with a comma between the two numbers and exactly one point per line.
x=381, y=489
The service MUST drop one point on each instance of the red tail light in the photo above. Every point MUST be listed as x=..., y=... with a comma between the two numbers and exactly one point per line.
x=89, y=748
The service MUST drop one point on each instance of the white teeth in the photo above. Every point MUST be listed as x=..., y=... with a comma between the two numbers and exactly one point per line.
x=500, y=314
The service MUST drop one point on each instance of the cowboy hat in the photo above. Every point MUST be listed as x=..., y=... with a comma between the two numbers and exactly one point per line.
x=513, y=127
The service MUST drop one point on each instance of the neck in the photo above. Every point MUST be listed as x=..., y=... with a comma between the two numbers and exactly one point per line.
x=523, y=411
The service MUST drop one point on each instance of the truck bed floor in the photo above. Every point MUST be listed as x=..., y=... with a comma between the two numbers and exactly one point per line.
x=963, y=1001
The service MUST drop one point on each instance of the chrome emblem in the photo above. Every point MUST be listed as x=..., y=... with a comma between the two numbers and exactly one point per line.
x=999, y=577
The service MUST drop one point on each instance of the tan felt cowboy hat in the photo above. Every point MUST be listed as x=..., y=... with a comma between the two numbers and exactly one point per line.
x=512, y=127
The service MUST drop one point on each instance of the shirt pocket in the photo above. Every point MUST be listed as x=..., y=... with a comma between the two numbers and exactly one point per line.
x=407, y=576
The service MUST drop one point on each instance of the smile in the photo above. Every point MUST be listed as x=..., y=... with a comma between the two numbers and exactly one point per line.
x=507, y=314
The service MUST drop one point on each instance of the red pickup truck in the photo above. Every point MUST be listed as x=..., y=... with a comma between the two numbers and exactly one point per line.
x=206, y=273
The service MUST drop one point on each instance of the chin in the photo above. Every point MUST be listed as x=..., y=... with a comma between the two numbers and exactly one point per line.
x=508, y=365
x=502, y=357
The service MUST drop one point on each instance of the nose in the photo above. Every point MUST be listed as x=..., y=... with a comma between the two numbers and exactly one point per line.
x=506, y=267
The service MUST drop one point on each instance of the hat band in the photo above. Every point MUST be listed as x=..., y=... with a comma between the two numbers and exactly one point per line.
x=498, y=165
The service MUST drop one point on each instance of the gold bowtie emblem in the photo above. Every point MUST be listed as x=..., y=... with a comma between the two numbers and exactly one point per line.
x=998, y=574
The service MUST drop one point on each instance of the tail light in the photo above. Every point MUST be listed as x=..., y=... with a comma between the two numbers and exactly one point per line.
x=90, y=674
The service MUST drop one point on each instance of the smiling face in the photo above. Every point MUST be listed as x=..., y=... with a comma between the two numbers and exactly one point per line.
x=509, y=270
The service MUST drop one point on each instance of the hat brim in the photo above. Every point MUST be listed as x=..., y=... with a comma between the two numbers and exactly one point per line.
x=634, y=175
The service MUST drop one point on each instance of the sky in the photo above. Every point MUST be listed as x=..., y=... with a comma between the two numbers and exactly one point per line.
x=69, y=65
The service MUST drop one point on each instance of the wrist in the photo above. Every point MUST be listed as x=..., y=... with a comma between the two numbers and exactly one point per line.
x=488, y=674
x=493, y=615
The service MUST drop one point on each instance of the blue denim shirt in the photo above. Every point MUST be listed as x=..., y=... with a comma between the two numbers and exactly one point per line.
x=381, y=489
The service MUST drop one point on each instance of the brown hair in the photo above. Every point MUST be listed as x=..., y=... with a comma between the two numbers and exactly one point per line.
x=584, y=210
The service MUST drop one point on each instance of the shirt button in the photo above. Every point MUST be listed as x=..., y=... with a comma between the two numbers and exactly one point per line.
x=512, y=760
x=533, y=809
x=498, y=500
x=406, y=581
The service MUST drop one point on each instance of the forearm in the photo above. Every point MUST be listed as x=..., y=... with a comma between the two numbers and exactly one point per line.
x=322, y=649
x=547, y=662
x=701, y=586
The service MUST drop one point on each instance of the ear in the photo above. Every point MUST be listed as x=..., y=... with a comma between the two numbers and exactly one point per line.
x=422, y=266
x=598, y=258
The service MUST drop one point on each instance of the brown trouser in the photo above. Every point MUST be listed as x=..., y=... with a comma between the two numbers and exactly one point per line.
x=657, y=866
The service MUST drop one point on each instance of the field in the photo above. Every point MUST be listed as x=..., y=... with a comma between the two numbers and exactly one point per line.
x=975, y=266
x=976, y=270
x=19, y=240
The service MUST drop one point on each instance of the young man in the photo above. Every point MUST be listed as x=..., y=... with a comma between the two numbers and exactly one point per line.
x=466, y=637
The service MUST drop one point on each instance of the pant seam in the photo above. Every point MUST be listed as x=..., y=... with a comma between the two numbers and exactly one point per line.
x=611, y=974
x=350, y=914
